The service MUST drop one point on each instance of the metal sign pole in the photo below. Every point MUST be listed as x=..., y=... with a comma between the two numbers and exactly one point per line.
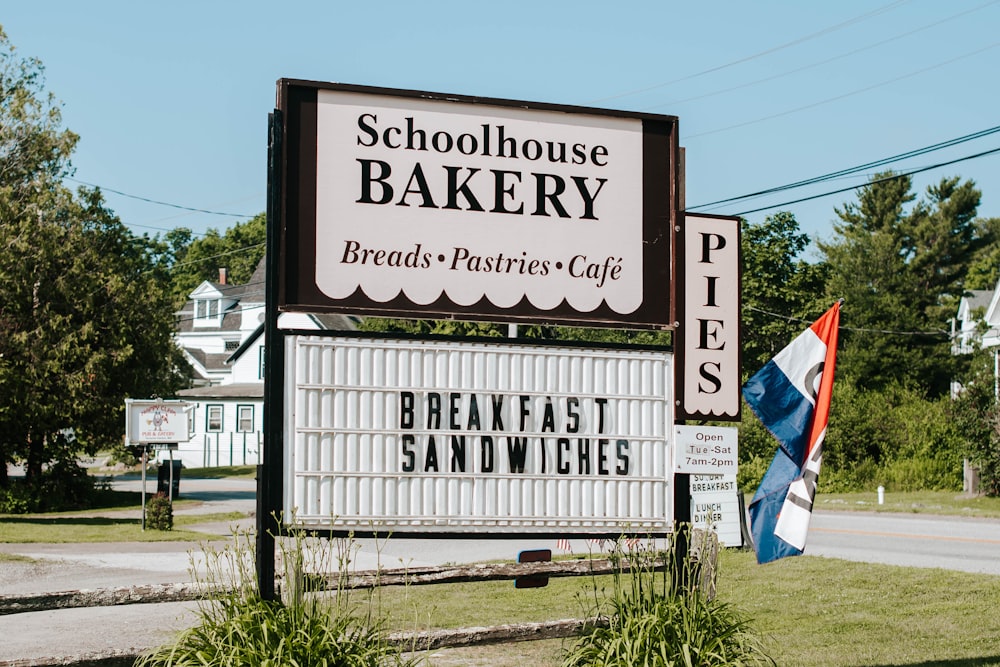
x=269, y=486
x=170, y=488
x=145, y=462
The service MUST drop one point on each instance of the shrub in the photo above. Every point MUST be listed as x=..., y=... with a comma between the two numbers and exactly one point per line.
x=307, y=626
x=665, y=616
x=160, y=513
x=62, y=486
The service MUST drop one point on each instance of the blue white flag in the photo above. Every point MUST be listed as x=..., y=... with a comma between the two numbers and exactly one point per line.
x=791, y=395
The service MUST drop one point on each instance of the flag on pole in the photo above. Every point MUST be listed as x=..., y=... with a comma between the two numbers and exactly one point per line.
x=791, y=396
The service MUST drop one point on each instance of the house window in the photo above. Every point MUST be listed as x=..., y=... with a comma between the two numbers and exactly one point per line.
x=232, y=345
x=206, y=309
x=260, y=363
x=191, y=421
x=244, y=418
x=213, y=418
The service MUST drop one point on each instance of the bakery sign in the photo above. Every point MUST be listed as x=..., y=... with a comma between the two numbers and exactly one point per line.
x=422, y=436
x=407, y=203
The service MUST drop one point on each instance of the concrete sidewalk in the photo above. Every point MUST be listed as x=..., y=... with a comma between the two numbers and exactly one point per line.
x=64, y=636
x=78, y=636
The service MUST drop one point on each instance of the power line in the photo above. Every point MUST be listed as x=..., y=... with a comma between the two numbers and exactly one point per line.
x=221, y=254
x=845, y=95
x=826, y=61
x=879, y=180
x=800, y=40
x=789, y=318
x=859, y=168
x=161, y=203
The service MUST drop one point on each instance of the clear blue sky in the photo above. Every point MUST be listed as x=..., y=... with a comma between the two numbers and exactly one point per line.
x=171, y=99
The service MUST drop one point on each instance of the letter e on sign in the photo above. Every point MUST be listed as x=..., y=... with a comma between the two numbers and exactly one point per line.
x=708, y=312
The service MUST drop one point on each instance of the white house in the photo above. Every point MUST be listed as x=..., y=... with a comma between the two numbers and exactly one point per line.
x=976, y=327
x=977, y=324
x=220, y=331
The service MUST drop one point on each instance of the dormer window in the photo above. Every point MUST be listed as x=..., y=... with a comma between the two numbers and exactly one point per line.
x=206, y=309
x=210, y=304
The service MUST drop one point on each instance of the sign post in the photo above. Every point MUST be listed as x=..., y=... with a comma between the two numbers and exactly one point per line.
x=410, y=204
x=155, y=423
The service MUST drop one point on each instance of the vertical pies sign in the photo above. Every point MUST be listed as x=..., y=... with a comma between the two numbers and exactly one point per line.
x=408, y=203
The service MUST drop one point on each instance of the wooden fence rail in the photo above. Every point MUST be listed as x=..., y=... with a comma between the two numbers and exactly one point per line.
x=180, y=592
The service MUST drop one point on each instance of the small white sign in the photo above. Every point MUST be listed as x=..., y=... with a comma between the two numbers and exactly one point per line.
x=715, y=506
x=706, y=450
x=151, y=422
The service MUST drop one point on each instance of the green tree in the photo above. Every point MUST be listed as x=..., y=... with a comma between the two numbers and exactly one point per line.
x=238, y=249
x=976, y=414
x=84, y=318
x=984, y=272
x=782, y=292
x=901, y=273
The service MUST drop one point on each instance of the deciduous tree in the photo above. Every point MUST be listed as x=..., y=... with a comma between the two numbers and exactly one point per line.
x=85, y=318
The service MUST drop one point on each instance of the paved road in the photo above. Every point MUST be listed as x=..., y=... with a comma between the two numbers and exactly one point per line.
x=953, y=543
x=970, y=545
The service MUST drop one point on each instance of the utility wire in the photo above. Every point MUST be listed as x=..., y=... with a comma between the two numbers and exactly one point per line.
x=161, y=203
x=823, y=62
x=845, y=95
x=788, y=318
x=879, y=180
x=800, y=40
x=859, y=168
x=221, y=254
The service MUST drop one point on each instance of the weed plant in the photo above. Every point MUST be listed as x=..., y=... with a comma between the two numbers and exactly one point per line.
x=307, y=627
x=662, y=611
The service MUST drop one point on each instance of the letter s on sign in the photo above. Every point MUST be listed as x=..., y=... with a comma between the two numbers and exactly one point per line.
x=705, y=372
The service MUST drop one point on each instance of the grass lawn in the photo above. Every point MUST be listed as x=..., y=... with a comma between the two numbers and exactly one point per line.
x=75, y=528
x=922, y=502
x=224, y=472
x=813, y=612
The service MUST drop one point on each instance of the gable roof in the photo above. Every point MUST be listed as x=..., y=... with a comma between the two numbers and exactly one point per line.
x=326, y=321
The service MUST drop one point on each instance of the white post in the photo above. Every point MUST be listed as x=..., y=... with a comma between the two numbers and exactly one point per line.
x=881, y=495
x=996, y=375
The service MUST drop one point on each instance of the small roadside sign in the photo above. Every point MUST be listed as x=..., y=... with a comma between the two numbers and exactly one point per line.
x=706, y=450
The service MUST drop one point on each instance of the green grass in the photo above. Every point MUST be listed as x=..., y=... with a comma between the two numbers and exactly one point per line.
x=66, y=529
x=15, y=558
x=922, y=502
x=230, y=472
x=812, y=612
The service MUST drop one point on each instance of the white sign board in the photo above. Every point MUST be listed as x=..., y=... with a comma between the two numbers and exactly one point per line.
x=716, y=506
x=404, y=202
x=707, y=450
x=149, y=422
x=431, y=436
x=414, y=172
x=710, y=325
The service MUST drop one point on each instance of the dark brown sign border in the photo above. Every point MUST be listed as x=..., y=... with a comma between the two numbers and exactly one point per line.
x=297, y=103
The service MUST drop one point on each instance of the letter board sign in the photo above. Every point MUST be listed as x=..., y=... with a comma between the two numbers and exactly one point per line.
x=418, y=204
x=435, y=436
